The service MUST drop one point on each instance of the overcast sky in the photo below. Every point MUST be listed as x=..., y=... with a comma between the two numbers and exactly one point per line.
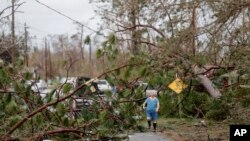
x=43, y=21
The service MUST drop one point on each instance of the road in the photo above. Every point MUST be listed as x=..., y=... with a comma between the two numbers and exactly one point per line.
x=148, y=136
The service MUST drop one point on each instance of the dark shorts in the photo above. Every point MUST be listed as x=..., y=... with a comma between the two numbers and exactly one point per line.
x=152, y=114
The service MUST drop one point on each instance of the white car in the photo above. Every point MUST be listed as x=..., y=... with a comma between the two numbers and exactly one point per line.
x=43, y=93
x=71, y=80
x=103, y=85
x=79, y=102
x=37, y=85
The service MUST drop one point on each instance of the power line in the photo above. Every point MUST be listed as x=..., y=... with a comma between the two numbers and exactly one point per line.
x=60, y=13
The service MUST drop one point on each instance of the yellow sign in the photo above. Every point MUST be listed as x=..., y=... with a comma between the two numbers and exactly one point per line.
x=177, y=85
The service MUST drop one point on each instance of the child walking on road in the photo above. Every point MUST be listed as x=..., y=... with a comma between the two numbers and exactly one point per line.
x=151, y=105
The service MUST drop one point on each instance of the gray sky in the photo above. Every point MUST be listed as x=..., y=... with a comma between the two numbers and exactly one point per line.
x=43, y=21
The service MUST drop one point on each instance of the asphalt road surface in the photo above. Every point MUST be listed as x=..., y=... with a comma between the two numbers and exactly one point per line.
x=148, y=136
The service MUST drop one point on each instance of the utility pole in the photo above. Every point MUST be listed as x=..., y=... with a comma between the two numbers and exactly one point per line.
x=13, y=21
x=193, y=27
x=46, y=65
x=26, y=57
x=90, y=53
x=243, y=23
x=81, y=43
x=103, y=62
x=134, y=31
x=91, y=66
x=13, y=38
x=50, y=63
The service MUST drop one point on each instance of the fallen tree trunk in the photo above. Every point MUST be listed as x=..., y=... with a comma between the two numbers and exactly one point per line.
x=209, y=86
x=206, y=82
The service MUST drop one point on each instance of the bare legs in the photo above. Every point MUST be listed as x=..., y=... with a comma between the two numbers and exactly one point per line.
x=154, y=124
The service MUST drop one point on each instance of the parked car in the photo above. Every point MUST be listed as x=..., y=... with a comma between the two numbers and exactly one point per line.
x=84, y=96
x=56, y=92
x=71, y=80
x=36, y=85
x=103, y=85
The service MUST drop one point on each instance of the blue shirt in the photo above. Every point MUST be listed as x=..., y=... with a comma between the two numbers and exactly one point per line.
x=152, y=103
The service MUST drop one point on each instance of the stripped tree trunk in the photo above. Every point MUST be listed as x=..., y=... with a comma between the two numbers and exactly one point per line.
x=210, y=87
x=206, y=82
